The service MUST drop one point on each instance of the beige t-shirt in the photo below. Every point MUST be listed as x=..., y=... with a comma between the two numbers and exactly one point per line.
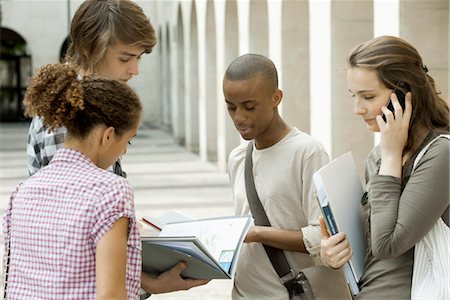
x=283, y=180
x=398, y=216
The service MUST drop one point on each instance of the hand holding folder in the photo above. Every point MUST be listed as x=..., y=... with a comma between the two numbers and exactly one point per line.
x=338, y=192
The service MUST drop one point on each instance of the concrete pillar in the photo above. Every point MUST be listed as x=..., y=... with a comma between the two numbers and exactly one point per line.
x=229, y=137
x=259, y=36
x=167, y=84
x=192, y=109
x=210, y=103
x=164, y=90
x=179, y=131
x=295, y=64
x=348, y=130
x=425, y=24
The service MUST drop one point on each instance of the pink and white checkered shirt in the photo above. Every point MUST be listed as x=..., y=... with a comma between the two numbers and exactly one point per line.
x=54, y=221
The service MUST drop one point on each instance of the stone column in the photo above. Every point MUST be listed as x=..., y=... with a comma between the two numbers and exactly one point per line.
x=425, y=24
x=295, y=64
x=349, y=132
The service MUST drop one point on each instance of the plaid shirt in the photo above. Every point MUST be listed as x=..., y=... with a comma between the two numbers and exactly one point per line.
x=53, y=223
x=42, y=146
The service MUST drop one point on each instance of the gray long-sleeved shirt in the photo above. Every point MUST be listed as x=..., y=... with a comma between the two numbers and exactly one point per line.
x=398, y=214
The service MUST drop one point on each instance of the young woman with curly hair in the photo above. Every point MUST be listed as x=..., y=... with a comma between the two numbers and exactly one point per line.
x=70, y=230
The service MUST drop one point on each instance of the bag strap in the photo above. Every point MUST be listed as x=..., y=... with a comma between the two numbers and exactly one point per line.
x=276, y=256
x=422, y=153
x=424, y=149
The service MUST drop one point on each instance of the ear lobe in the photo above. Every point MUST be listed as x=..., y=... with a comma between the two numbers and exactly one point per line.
x=277, y=96
x=108, y=135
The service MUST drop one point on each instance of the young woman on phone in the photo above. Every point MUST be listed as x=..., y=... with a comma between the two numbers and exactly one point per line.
x=399, y=208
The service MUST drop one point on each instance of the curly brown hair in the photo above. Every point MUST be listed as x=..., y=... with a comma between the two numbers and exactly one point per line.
x=61, y=98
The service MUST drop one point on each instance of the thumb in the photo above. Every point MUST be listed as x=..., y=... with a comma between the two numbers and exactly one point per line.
x=179, y=267
x=323, y=229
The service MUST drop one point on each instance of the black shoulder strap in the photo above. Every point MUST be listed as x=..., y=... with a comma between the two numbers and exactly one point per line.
x=276, y=256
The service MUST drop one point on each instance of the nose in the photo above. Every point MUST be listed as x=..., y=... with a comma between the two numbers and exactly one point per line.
x=238, y=117
x=134, y=67
x=359, y=108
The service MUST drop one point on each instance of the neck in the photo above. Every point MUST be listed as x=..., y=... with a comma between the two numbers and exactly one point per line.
x=420, y=135
x=273, y=134
x=84, y=146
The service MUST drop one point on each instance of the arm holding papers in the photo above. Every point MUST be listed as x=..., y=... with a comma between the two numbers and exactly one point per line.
x=338, y=192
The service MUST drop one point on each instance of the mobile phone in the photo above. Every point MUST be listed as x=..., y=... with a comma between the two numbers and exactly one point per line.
x=398, y=90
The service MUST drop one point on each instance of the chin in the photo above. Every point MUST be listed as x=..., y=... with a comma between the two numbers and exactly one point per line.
x=373, y=128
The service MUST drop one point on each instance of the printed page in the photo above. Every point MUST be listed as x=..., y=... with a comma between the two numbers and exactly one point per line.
x=220, y=236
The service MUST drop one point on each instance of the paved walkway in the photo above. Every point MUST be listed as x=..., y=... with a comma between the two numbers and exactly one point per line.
x=164, y=176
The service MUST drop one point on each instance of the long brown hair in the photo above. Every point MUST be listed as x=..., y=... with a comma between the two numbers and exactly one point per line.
x=98, y=24
x=61, y=98
x=395, y=60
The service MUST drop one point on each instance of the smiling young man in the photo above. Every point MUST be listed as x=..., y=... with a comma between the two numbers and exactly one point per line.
x=284, y=160
x=108, y=39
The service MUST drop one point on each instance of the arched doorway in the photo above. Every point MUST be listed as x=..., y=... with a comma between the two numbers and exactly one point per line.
x=15, y=70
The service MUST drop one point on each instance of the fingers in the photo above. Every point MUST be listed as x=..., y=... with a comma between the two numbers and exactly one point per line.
x=408, y=108
x=398, y=110
x=323, y=229
x=335, y=251
x=190, y=283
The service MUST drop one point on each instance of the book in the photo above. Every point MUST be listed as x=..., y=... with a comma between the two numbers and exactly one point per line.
x=210, y=247
x=158, y=223
x=339, y=192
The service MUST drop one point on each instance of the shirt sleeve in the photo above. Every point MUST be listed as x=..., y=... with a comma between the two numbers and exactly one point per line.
x=34, y=145
x=116, y=203
x=311, y=233
x=400, y=219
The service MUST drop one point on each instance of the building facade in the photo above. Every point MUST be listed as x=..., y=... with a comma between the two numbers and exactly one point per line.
x=181, y=81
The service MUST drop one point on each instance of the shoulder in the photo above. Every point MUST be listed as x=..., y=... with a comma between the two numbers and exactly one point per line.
x=237, y=157
x=114, y=182
x=115, y=190
x=305, y=144
x=238, y=153
x=438, y=153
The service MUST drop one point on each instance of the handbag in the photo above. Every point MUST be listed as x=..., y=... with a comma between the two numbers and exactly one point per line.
x=431, y=269
x=317, y=282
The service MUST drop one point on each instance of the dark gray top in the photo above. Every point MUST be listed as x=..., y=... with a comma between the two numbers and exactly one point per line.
x=398, y=214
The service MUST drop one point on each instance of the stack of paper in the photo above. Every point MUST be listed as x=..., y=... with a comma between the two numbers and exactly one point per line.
x=339, y=192
x=210, y=247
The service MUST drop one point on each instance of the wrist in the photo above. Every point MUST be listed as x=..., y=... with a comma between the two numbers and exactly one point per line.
x=253, y=235
x=391, y=165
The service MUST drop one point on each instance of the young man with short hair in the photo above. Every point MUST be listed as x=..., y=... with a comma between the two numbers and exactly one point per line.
x=284, y=160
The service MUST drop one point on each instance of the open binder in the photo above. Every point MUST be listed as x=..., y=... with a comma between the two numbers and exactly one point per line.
x=210, y=247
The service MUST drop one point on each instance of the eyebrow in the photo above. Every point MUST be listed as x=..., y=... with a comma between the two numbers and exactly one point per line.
x=244, y=102
x=361, y=91
x=131, y=54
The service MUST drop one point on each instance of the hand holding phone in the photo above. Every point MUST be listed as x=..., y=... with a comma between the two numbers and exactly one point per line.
x=398, y=90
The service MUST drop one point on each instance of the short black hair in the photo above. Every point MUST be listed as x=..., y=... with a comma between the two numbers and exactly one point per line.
x=249, y=65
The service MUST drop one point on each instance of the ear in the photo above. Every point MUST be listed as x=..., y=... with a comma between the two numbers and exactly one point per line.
x=276, y=98
x=108, y=135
